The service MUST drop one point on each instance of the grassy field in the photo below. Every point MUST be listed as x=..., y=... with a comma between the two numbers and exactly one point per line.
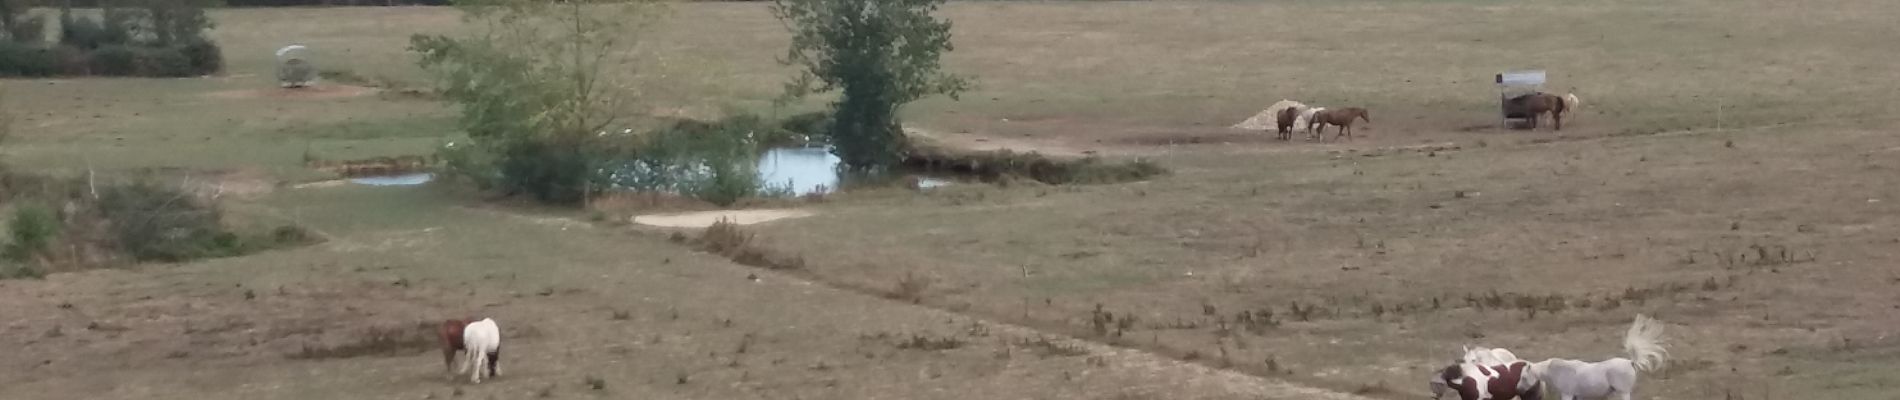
x=1731, y=173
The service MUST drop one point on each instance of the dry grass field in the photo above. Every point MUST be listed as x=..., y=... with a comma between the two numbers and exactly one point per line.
x=1732, y=173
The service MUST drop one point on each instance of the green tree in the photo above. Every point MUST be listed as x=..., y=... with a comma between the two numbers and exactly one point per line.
x=881, y=54
x=535, y=89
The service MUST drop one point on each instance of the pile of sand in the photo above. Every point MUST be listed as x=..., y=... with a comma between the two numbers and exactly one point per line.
x=706, y=219
x=1264, y=121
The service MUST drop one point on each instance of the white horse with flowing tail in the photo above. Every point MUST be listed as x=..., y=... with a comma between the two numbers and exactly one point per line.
x=1612, y=378
x=483, y=341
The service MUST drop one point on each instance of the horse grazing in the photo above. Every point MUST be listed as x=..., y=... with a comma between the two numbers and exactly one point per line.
x=1572, y=379
x=1284, y=121
x=1495, y=382
x=451, y=335
x=1342, y=118
x=483, y=340
x=1529, y=106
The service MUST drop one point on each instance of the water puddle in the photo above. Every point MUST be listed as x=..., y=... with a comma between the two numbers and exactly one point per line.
x=394, y=180
x=806, y=170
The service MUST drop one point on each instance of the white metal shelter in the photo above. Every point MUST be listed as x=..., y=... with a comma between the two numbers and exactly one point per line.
x=1512, y=84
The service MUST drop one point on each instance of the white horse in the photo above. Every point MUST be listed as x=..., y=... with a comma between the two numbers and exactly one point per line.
x=483, y=341
x=1616, y=377
x=1306, y=117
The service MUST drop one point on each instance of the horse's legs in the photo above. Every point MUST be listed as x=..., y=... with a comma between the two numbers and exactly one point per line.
x=494, y=362
x=448, y=359
x=478, y=361
x=1558, y=116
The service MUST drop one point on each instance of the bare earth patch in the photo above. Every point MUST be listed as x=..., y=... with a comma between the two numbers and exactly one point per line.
x=318, y=92
x=707, y=218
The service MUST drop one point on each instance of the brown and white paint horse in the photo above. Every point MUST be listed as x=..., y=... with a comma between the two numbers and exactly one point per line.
x=451, y=335
x=1488, y=374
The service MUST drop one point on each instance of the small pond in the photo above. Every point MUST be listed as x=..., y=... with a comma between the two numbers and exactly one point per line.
x=806, y=170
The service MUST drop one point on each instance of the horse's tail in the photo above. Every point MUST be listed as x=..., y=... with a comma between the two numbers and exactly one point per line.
x=1644, y=343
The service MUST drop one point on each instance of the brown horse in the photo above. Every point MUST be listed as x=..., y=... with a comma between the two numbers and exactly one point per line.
x=1341, y=117
x=1530, y=106
x=1284, y=121
x=451, y=335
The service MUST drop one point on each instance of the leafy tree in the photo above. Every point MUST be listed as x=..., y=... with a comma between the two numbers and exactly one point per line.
x=881, y=54
x=535, y=90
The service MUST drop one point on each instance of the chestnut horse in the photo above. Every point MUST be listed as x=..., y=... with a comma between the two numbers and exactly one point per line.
x=451, y=335
x=1341, y=117
x=1284, y=121
x=1531, y=105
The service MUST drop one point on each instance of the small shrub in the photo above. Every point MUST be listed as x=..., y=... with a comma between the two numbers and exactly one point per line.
x=33, y=230
x=203, y=56
x=168, y=62
x=21, y=271
x=157, y=223
x=21, y=59
x=27, y=29
x=910, y=287
x=88, y=34
x=926, y=343
x=114, y=60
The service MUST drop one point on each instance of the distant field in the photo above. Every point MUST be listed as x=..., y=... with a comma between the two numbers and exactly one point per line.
x=1731, y=173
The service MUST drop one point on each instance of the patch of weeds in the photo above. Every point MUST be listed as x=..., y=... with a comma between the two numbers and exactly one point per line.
x=994, y=165
x=594, y=382
x=726, y=239
x=910, y=288
x=745, y=343
x=926, y=343
x=375, y=341
x=1372, y=389
x=33, y=229
x=1046, y=348
x=1256, y=322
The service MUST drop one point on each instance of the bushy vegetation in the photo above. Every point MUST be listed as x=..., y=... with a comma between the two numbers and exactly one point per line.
x=69, y=224
x=334, y=3
x=157, y=38
x=156, y=223
x=535, y=102
x=33, y=229
x=1055, y=171
x=880, y=55
x=712, y=161
x=543, y=117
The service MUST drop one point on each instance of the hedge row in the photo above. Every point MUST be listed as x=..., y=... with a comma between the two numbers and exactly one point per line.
x=191, y=58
